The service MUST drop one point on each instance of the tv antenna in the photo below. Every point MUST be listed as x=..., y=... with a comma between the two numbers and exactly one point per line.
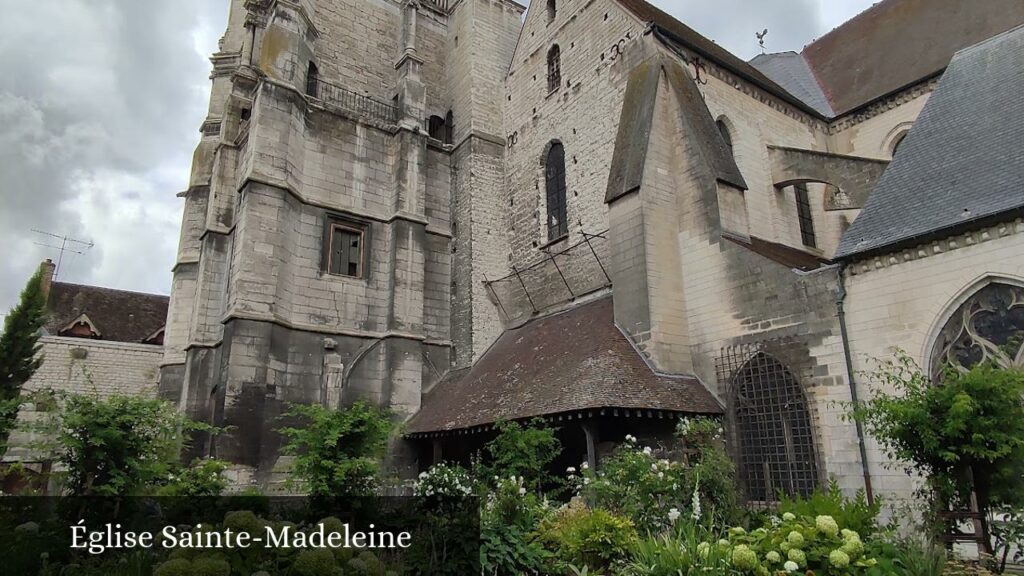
x=67, y=244
x=760, y=38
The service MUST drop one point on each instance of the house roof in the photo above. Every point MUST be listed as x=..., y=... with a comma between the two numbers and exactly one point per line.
x=898, y=43
x=963, y=162
x=575, y=360
x=117, y=315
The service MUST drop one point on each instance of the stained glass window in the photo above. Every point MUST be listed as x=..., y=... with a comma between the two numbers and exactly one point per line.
x=988, y=327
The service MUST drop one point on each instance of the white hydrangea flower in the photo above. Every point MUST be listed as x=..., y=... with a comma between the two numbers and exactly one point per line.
x=791, y=566
x=674, y=515
x=571, y=470
x=647, y=450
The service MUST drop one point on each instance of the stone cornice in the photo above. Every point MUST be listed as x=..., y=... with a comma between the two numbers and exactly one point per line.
x=941, y=246
x=884, y=105
x=329, y=330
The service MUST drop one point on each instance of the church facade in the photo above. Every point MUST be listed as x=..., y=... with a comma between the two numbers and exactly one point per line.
x=587, y=212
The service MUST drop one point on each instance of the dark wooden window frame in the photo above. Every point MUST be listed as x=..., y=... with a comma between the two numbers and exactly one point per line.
x=556, y=192
x=805, y=215
x=554, y=68
x=333, y=223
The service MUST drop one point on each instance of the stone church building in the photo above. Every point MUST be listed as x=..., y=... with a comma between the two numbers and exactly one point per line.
x=469, y=212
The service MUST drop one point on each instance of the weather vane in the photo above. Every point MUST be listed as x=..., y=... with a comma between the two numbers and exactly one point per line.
x=760, y=38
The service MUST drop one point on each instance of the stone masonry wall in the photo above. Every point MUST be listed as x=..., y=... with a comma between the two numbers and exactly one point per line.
x=900, y=300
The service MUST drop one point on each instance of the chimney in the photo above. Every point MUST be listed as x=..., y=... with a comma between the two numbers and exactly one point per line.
x=46, y=270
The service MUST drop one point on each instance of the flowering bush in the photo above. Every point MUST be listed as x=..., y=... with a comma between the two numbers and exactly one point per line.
x=635, y=484
x=509, y=515
x=792, y=543
x=444, y=480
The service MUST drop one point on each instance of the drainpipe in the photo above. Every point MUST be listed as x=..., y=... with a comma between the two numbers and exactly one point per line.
x=840, y=300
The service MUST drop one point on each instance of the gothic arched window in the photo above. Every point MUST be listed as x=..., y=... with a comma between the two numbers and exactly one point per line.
x=987, y=327
x=554, y=178
x=554, y=68
x=775, y=444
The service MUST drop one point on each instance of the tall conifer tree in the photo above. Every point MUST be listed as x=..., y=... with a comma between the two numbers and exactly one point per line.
x=19, y=347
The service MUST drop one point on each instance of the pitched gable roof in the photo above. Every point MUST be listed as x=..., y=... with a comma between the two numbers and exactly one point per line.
x=963, y=161
x=116, y=315
x=898, y=43
x=635, y=124
x=675, y=32
x=575, y=360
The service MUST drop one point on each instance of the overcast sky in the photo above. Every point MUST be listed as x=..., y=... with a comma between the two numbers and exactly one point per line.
x=100, y=107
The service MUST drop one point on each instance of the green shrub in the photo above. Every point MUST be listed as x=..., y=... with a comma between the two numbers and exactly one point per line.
x=337, y=451
x=582, y=536
x=523, y=451
x=316, y=562
x=507, y=520
x=855, y=514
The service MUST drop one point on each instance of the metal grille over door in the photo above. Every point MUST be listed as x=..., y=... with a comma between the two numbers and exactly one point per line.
x=772, y=427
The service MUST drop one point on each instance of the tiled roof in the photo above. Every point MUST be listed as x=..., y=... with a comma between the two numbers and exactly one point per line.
x=963, y=161
x=897, y=43
x=117, y=314
x=790, y=70
x=575, y=360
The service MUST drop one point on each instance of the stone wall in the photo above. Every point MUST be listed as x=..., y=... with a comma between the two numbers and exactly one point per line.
x=900, y=301
x=97, y=368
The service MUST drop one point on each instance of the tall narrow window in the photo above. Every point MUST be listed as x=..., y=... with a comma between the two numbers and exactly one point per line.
x=803, y=210
x=345, y=248
x=554, y=68
x=724, y=131
x=449, y=128
x=435, y=127
x=552, y=10
x=554, y=175
x=313, y=81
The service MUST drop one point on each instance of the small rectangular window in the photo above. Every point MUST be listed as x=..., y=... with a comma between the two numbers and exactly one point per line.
x=803, y=209
x=345, y=245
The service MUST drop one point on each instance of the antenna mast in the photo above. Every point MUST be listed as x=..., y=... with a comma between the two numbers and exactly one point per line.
x=67, y=244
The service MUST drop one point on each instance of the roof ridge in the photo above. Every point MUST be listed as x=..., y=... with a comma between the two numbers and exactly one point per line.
x=108, y=289
x=845, y=23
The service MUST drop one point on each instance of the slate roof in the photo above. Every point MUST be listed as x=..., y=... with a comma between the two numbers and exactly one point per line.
x=675, y=32
x=898, y=43
x=963, y=162
x=790, y=70
x=575, y=360
x=119, y=315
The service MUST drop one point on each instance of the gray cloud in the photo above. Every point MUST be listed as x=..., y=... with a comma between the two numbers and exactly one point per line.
x=100, y=105
x=101, y=100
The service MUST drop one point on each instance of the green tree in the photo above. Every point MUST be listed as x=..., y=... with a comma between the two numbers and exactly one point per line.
x=337, y=452
x=19, y=351
x=119, y=446
x=964, y=433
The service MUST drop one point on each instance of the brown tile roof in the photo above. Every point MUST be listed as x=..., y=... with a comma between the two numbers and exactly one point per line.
x=898, y=43
x=689, y=38
x=117, y=314
x=785, y=255
x=575, y=360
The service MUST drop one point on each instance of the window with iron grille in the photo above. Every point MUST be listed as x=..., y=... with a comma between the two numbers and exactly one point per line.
x=803, y=209
x=554, y=68
x=554, y=175
x=772, y=427
x=345, y=248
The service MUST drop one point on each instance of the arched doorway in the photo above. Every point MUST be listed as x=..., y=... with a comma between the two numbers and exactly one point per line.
x=773, y=431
